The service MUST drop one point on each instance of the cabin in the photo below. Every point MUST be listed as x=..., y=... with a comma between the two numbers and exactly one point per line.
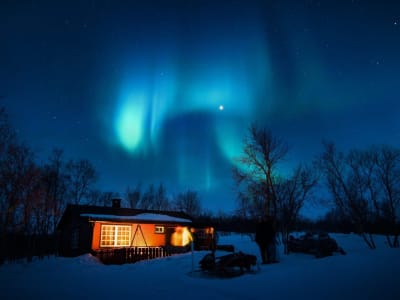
x=130, y=234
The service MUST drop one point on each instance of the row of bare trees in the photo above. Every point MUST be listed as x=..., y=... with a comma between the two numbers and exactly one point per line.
x=364, y=185
x=33, y=195
x=157, y=198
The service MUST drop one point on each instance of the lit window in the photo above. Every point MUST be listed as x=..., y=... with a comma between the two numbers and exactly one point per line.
x=181, y=236
x=159, y=229
x=115, y=236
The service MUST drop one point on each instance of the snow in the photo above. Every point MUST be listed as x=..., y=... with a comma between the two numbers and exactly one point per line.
x=139, y=217
x=360, y=274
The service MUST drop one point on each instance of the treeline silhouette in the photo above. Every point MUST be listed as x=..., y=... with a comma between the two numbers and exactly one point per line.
x=364, y=186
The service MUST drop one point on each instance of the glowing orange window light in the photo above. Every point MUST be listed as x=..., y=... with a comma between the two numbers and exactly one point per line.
x=181, y=236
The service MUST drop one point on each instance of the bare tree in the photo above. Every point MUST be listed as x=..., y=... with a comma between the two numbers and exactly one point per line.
x=37, y=209
x=262, y=152
x=152, y=198
x=291, y=196
x=189, y=203
x=54, y=183
x=97, y=197
x=148, y=198
x=134, y=196
x=348, y=178
x=7, y=134
x=19, y=178
x=7, y=140
x=16, y=177
x=387, y=160
x=81, y=178
x=251, y=201
x=161, y=201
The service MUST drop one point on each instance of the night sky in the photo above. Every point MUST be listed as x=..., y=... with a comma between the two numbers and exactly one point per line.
x=163, y=91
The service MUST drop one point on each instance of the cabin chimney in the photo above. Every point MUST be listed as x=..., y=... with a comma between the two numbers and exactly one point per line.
x=116, y=203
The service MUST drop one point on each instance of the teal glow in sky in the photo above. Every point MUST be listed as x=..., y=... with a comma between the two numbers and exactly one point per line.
x=163, y=91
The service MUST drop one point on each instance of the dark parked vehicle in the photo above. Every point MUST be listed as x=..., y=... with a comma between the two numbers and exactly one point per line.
x=318, y=244
x=229, y=265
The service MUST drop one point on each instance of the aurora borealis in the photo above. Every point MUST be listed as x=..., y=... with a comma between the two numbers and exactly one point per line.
x=163, y=91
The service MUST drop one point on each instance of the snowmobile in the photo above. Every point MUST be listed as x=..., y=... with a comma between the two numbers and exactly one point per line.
x=229, y=265
x=320, y=245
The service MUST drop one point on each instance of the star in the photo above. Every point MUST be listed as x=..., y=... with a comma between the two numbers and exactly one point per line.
x=221, y=107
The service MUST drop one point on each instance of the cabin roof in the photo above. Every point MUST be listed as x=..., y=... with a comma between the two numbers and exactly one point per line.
x=121, y=214
x=139, y=217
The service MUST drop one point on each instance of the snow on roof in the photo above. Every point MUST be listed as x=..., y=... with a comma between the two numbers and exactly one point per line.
x=139, y=217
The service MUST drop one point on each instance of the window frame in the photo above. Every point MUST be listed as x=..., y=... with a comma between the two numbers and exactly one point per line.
x=110, y=233
x=159, y=229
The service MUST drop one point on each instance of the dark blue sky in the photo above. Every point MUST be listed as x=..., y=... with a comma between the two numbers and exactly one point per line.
x=163, y=91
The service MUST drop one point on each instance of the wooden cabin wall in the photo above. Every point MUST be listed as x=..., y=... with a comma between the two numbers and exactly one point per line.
x=141, y=235
x=75, y=238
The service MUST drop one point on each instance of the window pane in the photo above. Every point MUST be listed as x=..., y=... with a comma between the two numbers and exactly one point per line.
x=159, y=229
x=115, y=235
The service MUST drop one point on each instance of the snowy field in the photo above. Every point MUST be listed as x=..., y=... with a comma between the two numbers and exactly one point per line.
x=361, y=274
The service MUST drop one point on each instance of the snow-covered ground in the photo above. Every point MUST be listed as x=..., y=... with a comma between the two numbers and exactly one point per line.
x=361, y=274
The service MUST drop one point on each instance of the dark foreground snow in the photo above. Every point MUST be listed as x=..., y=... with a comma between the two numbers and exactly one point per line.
x=361, y=274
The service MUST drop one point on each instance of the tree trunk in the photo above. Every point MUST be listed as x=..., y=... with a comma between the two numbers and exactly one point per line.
x=369, y=240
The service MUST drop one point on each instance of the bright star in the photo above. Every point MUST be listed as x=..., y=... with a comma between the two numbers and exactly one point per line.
x=221, y=107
